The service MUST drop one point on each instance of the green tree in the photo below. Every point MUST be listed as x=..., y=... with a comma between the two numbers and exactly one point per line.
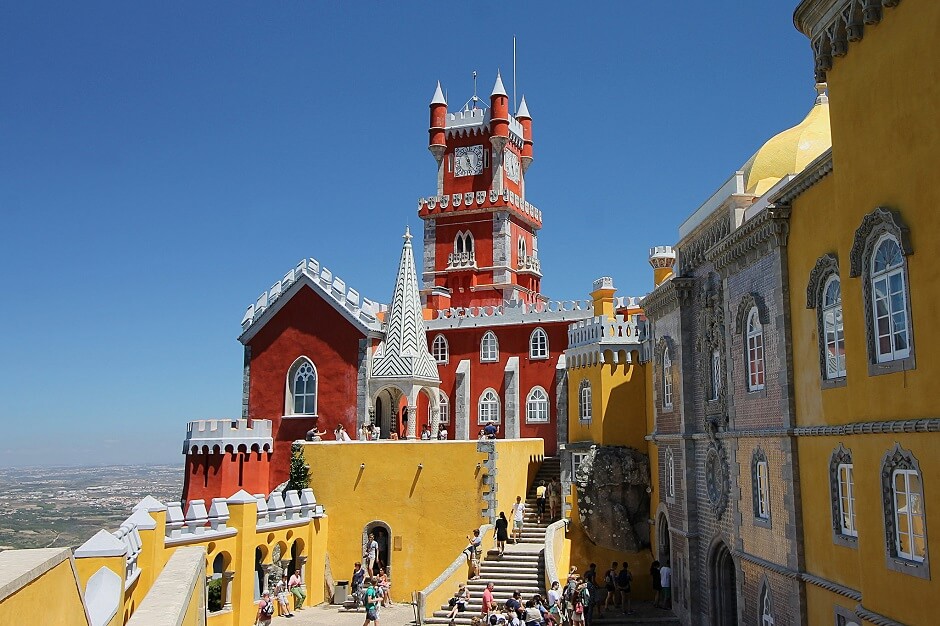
x=299, y=470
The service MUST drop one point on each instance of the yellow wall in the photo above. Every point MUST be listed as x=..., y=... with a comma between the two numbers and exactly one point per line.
x=430, y=511
x=618, y=398
x=52, y=598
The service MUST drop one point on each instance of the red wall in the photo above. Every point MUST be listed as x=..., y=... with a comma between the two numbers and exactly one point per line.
x=223, y=475
x=306, y=326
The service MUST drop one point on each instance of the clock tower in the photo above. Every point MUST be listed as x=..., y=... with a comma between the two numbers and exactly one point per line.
x=480, y=233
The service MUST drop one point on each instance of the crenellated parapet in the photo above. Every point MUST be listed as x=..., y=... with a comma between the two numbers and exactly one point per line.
x=590, y=339
x=220, y=436
x=478, y=201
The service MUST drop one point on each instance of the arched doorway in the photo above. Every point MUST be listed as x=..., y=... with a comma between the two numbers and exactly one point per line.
x=723, y=587
x=663, y=546
x=383, y=536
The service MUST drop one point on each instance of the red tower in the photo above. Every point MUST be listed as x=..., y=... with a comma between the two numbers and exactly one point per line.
x=223, y=456
x=480, y=241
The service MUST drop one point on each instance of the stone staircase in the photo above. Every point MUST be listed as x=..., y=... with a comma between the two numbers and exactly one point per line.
x=521, y=568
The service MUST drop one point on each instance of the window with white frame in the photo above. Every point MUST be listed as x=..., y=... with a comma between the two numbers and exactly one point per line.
x=538, y=344
x=489, y=348
x=536, y=406
x=716, y=374
x=302, y=388
x=463, y=242
x=585, y=408
x=488, y=408
x=766, y=608
x=444, y=405
x=760, y=479
x=889, y=301
x=440, y=350
x=755, y=352
x=911, y=535
x=576, y=459
x=667, y=380
x=832, y=332
x=670, y=474
x=845, y=473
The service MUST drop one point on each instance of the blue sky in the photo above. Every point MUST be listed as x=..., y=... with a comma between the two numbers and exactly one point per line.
x=161, y=164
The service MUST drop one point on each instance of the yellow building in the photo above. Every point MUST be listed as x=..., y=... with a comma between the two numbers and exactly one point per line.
x=863, y=216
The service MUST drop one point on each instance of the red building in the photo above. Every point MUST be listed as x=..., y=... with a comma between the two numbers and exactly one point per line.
x=474, y=342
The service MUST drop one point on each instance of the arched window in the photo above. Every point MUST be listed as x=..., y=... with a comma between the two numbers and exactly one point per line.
x=842, y=496
x=463, y=242
x=667, y=380
x=444, y=416
x=522, y=249
x=716, y=374
x=440, y=350
x=905, y=518
x=755, y=352
x=766, y=608
x=536, y=406
x=538, y=344
x=302, y=388
x=584, y=401
x=489, y=348
x=832, y=333
x=488, y=409
x=670, y=474
x=889, y=301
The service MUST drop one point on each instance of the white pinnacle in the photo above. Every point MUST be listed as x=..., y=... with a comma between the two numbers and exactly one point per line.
x=438, y=95
x=498, y=89
x=523, y=112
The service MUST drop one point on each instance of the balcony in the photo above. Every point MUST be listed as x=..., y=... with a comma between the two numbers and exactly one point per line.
x=529, y=263
x=461, y=260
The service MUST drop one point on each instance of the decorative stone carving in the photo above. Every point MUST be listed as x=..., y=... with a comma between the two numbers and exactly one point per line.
x=881, y=220
x=748, y=302
x=840, y=456
x=826, y=265
x=613, y=498
x=717, y=481
x=900, y=459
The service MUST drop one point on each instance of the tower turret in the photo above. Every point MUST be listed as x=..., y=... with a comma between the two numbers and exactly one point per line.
x=662, y=258
x=437, y=142
x=526, y=120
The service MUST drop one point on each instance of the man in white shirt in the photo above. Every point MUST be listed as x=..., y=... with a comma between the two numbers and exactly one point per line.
x=665, y=579
x=518, y=517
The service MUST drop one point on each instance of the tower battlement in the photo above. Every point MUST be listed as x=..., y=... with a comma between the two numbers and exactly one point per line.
x=227, y=435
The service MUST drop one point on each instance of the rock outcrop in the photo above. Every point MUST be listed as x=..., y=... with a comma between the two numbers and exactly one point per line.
x=613, y=497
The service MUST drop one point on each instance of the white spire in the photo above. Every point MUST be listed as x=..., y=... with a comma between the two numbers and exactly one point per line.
x=438, y=95
x=498, y=89
x=523, y=112
x=406, y=353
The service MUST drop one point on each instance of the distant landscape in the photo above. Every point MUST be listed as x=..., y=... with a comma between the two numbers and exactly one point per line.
x=64, y=506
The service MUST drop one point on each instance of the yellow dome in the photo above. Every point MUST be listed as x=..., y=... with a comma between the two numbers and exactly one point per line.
x=790, y=151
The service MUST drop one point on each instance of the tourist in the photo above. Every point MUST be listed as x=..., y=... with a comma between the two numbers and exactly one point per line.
x=376, y=432
x=540, y=499
x=474, y=551
x=624, y=580
x=373, y=595
x=489, y=604
x=665, y=581
x=393, y=436
x=265, y=610
x=442, y=432
x=656, y=580
x=554, y=601
x=280, y=592
x=577, y=604
x=314, y=434
x=502, y=533
x=372, y=553
x=341, y=434
x=518, y=519
x=554, y=498
x=514, y=604
x=482, y=435
x=458, y=604
x=296, y=587
x=358, y=576
x=385, y=587
x=490, y=430
x=590, y=579
x=426, y=432
x=610, y=586
x=532, y=616
x=568, y=594
x=544, y=613
x=365, y=433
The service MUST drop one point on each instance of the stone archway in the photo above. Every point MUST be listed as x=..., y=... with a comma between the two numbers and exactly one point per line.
x=383, y=536
x=723, y=589
x=663, y=540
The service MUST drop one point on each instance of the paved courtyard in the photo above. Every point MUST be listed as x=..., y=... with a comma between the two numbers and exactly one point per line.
x=331, y=615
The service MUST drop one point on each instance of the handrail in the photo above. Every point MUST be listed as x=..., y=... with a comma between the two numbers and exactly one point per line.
x=551, y=567
x=447, y=574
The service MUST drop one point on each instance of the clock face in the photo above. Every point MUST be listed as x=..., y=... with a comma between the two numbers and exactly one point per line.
x=511, y=162
x=468, y=160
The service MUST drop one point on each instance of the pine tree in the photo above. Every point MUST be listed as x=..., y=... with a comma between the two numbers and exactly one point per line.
x=299, y=470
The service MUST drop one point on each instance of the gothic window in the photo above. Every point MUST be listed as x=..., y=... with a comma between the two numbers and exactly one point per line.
x=831, y=333
x=766, y=606
x=905, y=516
x=842, y=495
x=760, y=482
x=489, y=348
x=755, y=352
x=444, y=414
x=670, y=475
x=439, y=349
x=536, y=406
x=488, y=410
x=538, y=344
x=667, y=380
x=716, y=374
x=521, y=249
x=463, y=242
x=302, y=388
x=584, y=401
x=889, y=301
